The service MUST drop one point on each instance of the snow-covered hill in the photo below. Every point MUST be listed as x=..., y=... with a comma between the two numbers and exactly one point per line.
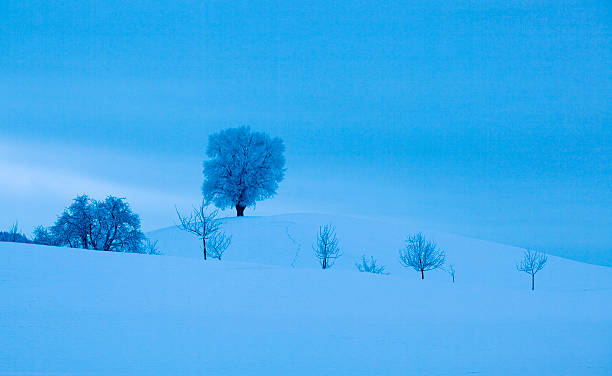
x=66, y=311
x=286, y=240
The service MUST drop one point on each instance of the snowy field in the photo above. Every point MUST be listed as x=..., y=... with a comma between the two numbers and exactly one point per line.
x=267, y=309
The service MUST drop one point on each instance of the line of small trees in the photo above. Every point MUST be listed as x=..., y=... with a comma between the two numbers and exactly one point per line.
x=13, y=235
x=419, y=254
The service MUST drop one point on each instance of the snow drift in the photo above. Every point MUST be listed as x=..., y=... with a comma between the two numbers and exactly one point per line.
x=70, y=311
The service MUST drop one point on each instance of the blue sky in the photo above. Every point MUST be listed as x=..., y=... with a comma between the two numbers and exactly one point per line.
x=491, y=119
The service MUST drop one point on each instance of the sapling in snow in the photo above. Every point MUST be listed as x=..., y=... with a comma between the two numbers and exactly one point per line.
x=531, y=263
x=203, y=223
x=421, y=254
x=326, y=246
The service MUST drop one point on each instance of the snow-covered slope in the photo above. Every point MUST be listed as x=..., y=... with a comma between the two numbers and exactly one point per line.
x=66, y=311
x=286, y=240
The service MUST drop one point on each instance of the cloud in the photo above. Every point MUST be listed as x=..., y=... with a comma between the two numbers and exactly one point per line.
x=39, y=180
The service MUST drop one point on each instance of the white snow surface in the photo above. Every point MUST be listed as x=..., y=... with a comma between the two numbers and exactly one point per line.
x=268, y=309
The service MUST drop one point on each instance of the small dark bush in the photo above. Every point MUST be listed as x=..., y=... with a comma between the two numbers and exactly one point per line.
x=370, y=266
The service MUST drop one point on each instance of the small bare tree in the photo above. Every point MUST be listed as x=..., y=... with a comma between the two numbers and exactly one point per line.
x=421, y=254
x=531, y=263
x=204, y=224
x=326, y=247
x=370, y=266
x=451, y=271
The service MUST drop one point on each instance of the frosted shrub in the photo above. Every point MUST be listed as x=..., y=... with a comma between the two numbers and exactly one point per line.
x=370, y=266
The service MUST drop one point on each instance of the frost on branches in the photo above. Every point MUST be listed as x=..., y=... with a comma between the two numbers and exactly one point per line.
x=243, y=167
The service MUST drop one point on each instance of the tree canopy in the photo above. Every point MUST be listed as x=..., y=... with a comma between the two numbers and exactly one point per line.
x=243, y=167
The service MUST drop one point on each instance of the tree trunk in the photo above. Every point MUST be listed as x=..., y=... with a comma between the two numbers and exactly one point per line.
x=240, y=210
x=324, y=263
x=532, y=282
x=422, y=275
x=204, y=247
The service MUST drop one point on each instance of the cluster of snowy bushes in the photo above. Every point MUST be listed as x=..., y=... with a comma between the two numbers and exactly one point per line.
x=106, y=225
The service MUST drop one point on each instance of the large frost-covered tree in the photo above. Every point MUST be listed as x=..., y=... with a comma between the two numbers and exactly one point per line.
x=243, y=167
